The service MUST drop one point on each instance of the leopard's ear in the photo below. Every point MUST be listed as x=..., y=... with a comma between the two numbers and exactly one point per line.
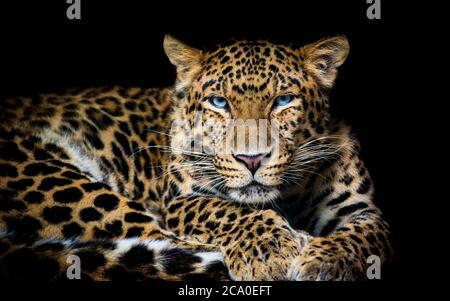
x=323, y=57
x=186, y=59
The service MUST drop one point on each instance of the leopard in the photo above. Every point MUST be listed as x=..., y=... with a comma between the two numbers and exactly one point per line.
x=135, y=184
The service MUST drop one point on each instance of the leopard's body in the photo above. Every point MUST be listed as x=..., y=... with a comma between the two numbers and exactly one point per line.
x=93, y=172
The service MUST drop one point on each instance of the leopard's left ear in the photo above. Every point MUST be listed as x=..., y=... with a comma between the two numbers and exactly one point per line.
x=186, y=59
x=323, y=57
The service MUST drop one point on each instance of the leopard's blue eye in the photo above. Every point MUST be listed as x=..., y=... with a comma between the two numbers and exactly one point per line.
x=283, y=100
x=218, y=102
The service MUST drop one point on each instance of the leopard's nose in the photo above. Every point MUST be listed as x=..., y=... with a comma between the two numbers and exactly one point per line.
x=253, y=162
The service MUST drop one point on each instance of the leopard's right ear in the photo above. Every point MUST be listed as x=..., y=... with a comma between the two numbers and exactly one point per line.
x=186, y=59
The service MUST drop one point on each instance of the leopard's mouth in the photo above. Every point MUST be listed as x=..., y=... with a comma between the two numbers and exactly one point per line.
x=254, y=192
x=252, y=186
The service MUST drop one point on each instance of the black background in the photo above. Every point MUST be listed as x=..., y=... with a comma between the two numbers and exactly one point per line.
x=121, y=43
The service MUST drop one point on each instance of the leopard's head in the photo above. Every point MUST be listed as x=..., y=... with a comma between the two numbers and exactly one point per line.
x=230, y=98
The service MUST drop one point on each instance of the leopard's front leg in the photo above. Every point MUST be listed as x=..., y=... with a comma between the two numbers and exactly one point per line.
x=347, y=226
x=344, y=254
x=257, y=244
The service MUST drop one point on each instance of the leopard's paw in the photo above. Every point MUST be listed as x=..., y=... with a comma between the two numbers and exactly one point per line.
x=316, y=263
x=266, y=257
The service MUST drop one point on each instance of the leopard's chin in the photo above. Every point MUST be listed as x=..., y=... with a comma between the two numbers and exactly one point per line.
x=254, y=193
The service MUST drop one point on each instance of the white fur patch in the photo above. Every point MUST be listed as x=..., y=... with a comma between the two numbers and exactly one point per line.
x=209, y=257
x=254, y=195
x=293, y=272
x=124, y=245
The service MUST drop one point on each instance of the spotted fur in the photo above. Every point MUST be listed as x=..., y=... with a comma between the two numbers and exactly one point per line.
x=92, y=172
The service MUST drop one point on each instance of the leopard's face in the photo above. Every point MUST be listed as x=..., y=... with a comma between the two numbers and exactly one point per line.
x=260, y=106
